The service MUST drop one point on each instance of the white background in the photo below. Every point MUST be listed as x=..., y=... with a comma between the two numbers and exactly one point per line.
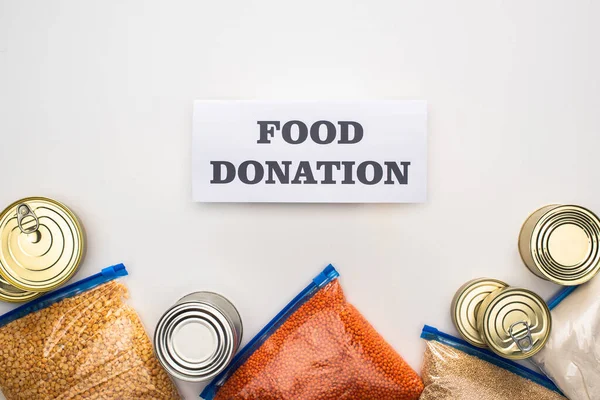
x=96, y=111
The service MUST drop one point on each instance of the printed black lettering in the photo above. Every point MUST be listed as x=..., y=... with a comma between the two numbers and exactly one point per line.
x=259, y=172
x=348, y=172
x=217, y=172
x=304, y=171
x=328, y=179
x=286, y=132
x=267, y=128
x=315, y=130
x=393, y=168
x=345, y=132
x=283, y=175
x=361, y=172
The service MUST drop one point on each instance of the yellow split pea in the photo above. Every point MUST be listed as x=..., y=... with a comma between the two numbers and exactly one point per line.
x=91, y=346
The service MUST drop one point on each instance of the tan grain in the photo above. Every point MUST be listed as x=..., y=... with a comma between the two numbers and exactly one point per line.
x=91, y=346
x=450, y=374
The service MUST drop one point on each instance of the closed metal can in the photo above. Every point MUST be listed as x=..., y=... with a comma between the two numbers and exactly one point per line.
x=41, y=244
x=198, y=337
x=559, y=243
x=11, y=294
x=515, y=323
x=466, y=304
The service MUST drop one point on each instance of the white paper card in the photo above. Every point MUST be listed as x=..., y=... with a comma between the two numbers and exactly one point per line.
x=310, y=152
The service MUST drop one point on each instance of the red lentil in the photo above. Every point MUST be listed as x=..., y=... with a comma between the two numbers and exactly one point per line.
x=326, y=350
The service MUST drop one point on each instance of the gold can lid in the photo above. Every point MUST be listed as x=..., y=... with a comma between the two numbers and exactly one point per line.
x=41, y=244
x=565, y=245
x=11, y=294
x=465, y=306
x=515, y=323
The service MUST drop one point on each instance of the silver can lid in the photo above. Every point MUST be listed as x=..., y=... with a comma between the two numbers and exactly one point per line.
x=194, y=341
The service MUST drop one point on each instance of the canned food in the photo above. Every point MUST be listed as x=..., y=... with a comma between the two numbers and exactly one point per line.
x=466, y=304
x=198, y=337
x=41, y=244
x=11, y=294
x=514, y=323
x=559, y=243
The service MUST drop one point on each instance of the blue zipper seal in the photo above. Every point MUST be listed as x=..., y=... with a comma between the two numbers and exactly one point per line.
x=560, y=296
x=431, y=333
x=106, y=275
x=326, y=276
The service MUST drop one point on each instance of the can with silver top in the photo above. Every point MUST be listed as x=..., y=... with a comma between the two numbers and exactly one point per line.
x=560, y=243
x=198, y=337
x=514, y=323
x=42, y=244
x=466, y=304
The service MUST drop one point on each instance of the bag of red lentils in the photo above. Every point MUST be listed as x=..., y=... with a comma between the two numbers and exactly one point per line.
x=318, y=347
x=82, y=341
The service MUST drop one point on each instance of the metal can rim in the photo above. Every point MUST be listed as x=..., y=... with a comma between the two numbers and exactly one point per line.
x=81, y=247
x=181, y=368
x=168, y=323
x=27, y=296
x=460, y=293
x=224, y=312
x=485, y=307
x=551, y=272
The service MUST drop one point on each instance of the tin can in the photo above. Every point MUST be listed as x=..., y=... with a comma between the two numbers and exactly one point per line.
x=198, y=337
x=11, y=294
x=515, y=323
x=466, y=304
x=41, y=244
x=559, y=243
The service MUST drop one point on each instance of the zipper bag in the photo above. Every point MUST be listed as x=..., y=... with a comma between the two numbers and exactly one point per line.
x=455, y=369
x=318, y=347
x=571, y=357
x=80, y=342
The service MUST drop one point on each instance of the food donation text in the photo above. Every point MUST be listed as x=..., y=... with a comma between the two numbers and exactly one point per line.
x=368, y=172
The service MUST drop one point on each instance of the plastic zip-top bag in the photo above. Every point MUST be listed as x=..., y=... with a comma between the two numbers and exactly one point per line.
x=571, y=357
x=80, y=342
x=455, y=370
x=319, y=347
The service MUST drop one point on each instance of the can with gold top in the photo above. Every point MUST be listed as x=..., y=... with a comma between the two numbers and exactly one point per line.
x=41, y=246
x=559, y=243
x=466, y=304
x=514, y=323
x=11, y=294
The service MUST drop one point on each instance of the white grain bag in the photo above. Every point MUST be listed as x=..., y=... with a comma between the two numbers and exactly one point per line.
x=571, y=357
